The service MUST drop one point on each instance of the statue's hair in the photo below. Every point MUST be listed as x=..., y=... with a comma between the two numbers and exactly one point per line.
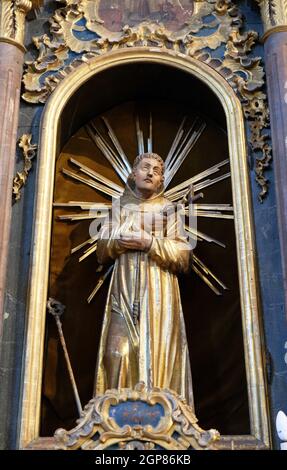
x=137, y=161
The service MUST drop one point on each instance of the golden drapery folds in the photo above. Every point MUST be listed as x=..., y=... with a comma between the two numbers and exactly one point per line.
x=153, y=349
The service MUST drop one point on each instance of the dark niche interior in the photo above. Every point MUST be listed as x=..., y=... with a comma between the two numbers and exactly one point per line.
x=213, y=323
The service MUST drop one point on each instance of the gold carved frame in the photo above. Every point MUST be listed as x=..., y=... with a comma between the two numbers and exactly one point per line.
x=253, y=338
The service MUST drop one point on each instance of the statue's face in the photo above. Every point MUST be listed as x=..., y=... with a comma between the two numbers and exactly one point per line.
x=148, y=175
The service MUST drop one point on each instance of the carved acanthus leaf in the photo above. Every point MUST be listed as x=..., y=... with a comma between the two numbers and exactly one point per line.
x=29, y=152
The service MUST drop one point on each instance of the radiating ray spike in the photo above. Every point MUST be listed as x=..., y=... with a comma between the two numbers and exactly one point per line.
x=91, y=183
x=87, y=242
x=97, y=137
x=197, y=187
x=207, y=281
x=204, y=236
x=172, y=162
x=112, y=152
x=175, y=145
x=178, y=150
x=119, y=149
x=213, y=215
x=101, y=144
x=142, y=139
x=224, y=207
x=175, y=141
x=99, y=284
x=206, y=183
x=88, y=252
x=198, y=177
x=186, y=150
x=207, y=271
x=149, y=147
x=107, y=151
x=149, y=140
x=138, y=135
x=79, y=217
x=84, y=205
x=112, y=159
x=211, y=210
x=181, y=145
x=96, y=205
x=117, y=145
x=176, y=196
x=94, y=174
x=188, y=141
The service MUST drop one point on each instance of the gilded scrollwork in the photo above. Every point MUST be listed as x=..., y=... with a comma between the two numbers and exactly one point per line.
x=67, y=27
x=78, y=29
x=98, y=428
x=29, y=152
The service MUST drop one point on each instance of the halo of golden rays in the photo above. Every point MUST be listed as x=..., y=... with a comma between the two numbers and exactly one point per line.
x=186, y=137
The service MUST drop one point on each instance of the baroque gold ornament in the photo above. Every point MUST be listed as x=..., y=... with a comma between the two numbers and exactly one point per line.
x=30, y=415
x=78, y=28
x=29, y=152
x=115, y=419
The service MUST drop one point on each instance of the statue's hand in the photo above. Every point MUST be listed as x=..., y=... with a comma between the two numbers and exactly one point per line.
x=140, y=241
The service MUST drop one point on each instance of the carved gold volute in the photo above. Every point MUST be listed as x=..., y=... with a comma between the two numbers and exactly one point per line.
x=274, y=15
x=12, y=18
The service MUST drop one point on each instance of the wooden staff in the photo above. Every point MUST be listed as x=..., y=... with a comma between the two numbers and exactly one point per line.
x=56, y=309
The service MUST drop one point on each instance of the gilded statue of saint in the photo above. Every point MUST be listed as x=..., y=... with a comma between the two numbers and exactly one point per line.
x=143, y=334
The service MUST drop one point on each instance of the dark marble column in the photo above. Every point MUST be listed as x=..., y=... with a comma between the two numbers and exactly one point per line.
x=11, y=68
x=275, y=320
x=275, y=48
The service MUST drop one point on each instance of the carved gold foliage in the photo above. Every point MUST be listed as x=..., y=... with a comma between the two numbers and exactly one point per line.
x=136, y=445
x=177, y=429
x=245, y=74
x=64, y=26
x=29, y=152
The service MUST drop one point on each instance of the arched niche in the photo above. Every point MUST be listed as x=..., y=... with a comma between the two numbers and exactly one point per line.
x=94, y=88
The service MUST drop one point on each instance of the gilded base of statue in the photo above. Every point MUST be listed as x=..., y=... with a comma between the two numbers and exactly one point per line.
x=137, y=419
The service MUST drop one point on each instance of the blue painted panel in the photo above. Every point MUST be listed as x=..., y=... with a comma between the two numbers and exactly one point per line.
x=136, y=413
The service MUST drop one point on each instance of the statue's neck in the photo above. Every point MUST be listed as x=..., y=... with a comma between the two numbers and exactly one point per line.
x=144, y=194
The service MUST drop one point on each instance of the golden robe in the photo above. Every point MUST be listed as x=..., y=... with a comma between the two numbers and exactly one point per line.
x=154, y=350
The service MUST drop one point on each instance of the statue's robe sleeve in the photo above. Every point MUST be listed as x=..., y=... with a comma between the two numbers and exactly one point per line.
x=173, y=251
x=108, y=246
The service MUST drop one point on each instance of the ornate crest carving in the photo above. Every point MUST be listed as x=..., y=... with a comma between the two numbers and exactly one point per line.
x=138, y=418
x=29, y=151
x=211, y=34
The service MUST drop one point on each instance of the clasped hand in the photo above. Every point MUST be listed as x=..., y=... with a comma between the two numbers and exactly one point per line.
x=140, y=241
